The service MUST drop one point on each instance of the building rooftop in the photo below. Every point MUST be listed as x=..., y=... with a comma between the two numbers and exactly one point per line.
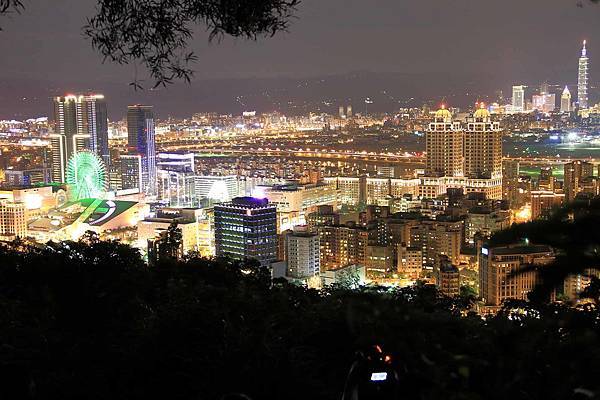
x=521, y=249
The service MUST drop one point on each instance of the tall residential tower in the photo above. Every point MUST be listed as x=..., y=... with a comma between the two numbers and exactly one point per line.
x=81, y=122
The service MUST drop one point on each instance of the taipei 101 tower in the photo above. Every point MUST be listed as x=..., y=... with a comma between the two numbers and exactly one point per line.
x=582, y=79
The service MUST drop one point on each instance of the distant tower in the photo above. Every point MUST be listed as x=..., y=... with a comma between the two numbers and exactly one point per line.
x=349, y=111
x=565, y=101
x=518, y=98
x=582, y=81
x=341, y=112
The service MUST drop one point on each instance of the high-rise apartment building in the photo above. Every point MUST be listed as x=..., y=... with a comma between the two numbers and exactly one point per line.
x=81, y=122
x=518, y=98
x=582, y=78
x=410, y=261
x=246, y=227
x=342, y=245
x=575, y=172
x=501, y=275
x=141, y=140
x=544, y=201
x=302, y=253
x=444, y=146
x=436, y=238
x=565, y=101
x=13, y=220
x=546, y=180
x=483, y=146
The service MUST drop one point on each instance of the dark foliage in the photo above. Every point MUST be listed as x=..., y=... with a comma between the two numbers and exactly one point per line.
x=89, y=320
x=156, y=33
x=573, y=232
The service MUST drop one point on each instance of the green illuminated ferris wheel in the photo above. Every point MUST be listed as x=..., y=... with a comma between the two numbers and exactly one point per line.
x=86, y=174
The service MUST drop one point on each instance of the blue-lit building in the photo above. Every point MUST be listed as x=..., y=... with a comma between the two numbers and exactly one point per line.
x=141, y=140
x=246, y=227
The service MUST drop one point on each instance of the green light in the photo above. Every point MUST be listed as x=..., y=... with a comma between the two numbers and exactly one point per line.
x=86, y=174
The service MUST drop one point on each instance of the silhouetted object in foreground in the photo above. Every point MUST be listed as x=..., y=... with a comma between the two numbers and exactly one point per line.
x=372, y=377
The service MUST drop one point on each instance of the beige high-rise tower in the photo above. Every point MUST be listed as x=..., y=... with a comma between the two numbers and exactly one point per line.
x=483, y=146
x=444, y=146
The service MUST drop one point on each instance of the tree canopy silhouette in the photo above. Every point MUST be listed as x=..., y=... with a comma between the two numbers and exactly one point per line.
x=91, y=320
x=157, y=33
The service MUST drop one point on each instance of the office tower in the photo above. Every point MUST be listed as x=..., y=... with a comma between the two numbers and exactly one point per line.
x=575, y=172
x=518, y=98
x=483, y=146
x=302, y=253
x=565, y=101
x=582, y=79
x=341, y=112
x=447, y=278
x=544, y=201
x=131, y=171
x=349, y=111
x=141, y=140
x=246, y=227
x=444, y=146
x=83, y=115
x=501, y=275
x=13, y=221
x=544, y=88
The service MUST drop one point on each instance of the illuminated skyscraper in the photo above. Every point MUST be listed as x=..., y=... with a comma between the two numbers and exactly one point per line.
x=444, y=146
x=141, y=140
x=483, y=146
x=565, y=101
x=246, y=228
x=582, y=79
x=81, y=122
x=518, y=98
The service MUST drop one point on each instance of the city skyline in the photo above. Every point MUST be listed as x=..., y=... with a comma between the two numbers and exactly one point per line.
x=368, y=58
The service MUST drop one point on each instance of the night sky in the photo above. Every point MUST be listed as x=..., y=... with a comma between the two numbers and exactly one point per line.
x=336, y=50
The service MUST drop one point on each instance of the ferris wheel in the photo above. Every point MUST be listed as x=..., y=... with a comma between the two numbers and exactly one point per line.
x=86, y=174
